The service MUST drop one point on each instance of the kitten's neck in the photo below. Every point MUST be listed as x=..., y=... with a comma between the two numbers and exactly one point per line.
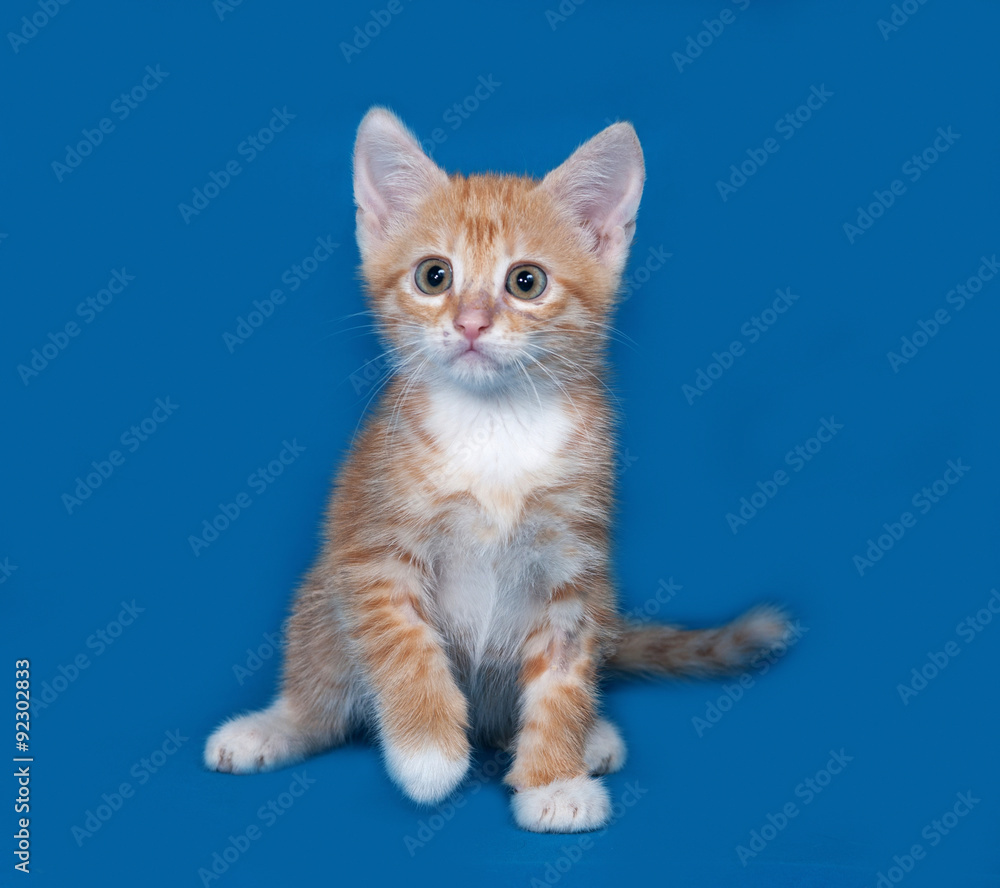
x=521, y=396
x=498, y=447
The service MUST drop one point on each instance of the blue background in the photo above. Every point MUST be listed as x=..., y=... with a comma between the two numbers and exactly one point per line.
x=301, y=375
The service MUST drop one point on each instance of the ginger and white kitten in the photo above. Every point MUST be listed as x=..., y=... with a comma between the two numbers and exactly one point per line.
x=464, y=592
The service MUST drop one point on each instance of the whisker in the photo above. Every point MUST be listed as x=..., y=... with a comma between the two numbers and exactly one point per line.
x=549, y=373
x=381, y=385
x=527, y=376
x=397, y=411
x=575, y=365
x=347, y=317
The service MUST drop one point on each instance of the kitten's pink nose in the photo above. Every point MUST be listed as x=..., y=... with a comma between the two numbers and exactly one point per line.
x=471, y=322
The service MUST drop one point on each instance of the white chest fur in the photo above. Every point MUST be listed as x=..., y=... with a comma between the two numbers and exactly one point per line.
x=493, y=570
x=498, y=450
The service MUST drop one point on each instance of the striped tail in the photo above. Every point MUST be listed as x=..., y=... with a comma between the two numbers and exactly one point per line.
x=672, y=650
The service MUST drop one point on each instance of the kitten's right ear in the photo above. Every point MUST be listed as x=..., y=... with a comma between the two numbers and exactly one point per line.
x=392, y=175
x=601, y=185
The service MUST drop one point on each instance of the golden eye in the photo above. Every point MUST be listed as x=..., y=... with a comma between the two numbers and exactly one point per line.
x=526, y=282
x=433, y=276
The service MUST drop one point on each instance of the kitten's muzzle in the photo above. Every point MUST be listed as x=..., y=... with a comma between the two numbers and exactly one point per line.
x=472, y=322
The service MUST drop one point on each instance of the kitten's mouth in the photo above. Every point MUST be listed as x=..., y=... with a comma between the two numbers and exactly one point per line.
x=473, y=354
x=474, y=363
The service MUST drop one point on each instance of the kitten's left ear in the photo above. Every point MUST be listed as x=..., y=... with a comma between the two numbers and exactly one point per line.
x=601, y=185
x=392, y=175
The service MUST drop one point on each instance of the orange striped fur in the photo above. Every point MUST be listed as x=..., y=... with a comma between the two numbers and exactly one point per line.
x=463, y=592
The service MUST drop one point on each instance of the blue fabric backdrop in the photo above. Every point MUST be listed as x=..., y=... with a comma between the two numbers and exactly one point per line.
x=809, y=403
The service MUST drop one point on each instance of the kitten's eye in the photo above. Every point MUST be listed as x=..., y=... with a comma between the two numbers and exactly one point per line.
x=526, y=282
x=433, y=276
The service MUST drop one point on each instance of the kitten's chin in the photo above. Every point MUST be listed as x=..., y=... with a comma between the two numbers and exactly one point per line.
x=477, y=371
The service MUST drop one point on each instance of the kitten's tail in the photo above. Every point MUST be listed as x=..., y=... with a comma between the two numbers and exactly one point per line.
x=670, y=650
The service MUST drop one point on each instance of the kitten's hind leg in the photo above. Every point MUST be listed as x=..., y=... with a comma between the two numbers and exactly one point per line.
x=320, y=703
x=604, y=750
x=261, y=741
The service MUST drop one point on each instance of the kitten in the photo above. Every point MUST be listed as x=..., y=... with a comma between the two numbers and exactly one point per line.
x=464, y=590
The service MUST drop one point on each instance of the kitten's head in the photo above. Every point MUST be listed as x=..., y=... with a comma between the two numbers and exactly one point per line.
x=493, y=282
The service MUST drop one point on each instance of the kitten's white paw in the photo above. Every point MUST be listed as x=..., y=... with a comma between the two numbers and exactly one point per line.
x=260, y=741
x=426, y=776
x=605, y=749
x=576, y=804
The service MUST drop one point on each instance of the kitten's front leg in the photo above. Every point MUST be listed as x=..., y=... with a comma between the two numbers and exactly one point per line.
x=553, y=789
x=422, y=715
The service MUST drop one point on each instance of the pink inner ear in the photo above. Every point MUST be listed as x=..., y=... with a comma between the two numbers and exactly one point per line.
x=601, y=185
x=392, y=175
